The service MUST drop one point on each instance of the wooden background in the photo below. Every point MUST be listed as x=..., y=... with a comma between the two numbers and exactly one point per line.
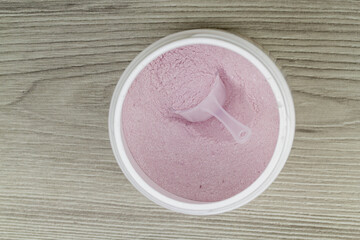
x=59, y=64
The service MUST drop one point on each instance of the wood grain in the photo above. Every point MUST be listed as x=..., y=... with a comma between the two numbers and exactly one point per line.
x=60, y=62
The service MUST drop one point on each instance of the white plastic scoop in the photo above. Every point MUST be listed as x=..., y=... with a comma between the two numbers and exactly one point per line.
x=212, y=106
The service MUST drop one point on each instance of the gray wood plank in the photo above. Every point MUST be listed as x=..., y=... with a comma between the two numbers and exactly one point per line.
x=60, y=62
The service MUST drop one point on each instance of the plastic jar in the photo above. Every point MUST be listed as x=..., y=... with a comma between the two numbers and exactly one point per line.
x=277, y=83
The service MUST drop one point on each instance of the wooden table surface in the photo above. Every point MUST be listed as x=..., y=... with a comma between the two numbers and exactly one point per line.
x=59, y=64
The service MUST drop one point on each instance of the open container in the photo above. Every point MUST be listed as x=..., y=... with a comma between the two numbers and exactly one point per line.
x=277, y=83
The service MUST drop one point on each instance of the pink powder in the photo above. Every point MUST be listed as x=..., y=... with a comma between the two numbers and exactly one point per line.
x=199, y=161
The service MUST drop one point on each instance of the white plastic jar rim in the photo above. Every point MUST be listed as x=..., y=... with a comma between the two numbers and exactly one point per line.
x=277, y=83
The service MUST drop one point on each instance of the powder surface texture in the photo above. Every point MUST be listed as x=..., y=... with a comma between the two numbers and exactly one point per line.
x=199, y=161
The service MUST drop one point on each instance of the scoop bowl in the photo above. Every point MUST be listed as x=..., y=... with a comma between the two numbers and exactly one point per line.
x=212, y=106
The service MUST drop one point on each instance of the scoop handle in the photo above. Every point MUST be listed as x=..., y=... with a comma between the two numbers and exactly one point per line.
x=239, y=131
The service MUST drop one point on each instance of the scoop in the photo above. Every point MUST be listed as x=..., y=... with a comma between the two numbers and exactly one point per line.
x=211, y=106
